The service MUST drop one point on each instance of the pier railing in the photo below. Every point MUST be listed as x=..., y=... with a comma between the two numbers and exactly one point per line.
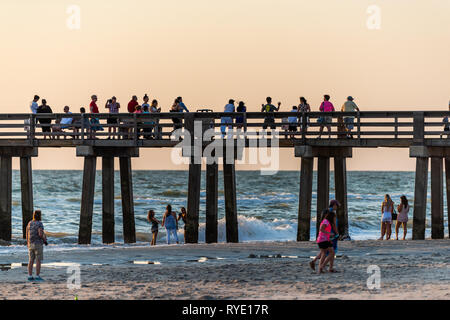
x=399, y=127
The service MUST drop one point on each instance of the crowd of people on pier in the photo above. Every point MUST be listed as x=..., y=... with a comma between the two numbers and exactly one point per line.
x=92, y=124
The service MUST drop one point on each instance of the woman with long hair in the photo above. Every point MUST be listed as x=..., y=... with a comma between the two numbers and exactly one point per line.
x=151, y=218
x=402, y=218
x=324, y=243
x=183, y=216
x=170, y=222
x=387, y=208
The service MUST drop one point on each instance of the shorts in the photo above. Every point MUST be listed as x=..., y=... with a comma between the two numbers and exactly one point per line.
x=349, y=122
x=325, y=244
x=269, y=121
x=36, y=251
x=292, y=128
x=111, y=121
x=324, y=120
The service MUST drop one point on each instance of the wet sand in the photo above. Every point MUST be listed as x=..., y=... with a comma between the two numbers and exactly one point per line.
x=262, y=270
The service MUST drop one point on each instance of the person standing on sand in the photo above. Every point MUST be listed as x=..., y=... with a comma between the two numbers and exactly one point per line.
x=151, y=218
x=183, y=216
x=402, y=218
x=324, y=243
x=326, y=106
x=35, y=240
x=387, y=208
x=170, y=223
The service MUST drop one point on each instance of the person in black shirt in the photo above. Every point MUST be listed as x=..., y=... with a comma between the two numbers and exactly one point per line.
x=44, y=108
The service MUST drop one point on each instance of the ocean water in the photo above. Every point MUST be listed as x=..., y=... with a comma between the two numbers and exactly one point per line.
x=267, y=205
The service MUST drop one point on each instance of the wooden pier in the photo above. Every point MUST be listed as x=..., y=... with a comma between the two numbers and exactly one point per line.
x=419, y=131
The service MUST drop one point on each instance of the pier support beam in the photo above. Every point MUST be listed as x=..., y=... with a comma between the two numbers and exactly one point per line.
x=447, y=187
x=305, y=198
x=231, y=220
x=340, y=182
x=323, y=188
x=26, y=182
x=5, y=198
x=193, y=203
x=126, y=183
x=108, y=200
x=212, y=181
x=87, y=200
x=420, y=198
x=437, y=199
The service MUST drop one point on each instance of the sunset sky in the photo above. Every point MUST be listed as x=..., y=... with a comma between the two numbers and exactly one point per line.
x=209, y=51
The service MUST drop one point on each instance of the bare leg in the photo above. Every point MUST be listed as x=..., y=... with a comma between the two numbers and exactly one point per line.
x=383, y=230
x=388, y=233
x=405, y=230
x=320, y=132
x=323, y=260
x=397, y=226
x=38, y=267
x=30, y=267
x=331, y=258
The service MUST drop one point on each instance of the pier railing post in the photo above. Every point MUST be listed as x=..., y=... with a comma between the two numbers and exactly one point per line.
x=305, y=198
x=212, y=175
x=87, y=200
x=5, y=198
x=231, y=219
x=323, y=188
x=27, y=192
x=437, y=199
x=420, y=198
x=126, y=183
x=108, y=200
x=340, y=181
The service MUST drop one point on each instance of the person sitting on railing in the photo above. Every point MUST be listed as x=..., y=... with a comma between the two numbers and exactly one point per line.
x=326, y=106
x=269, y=108
x=177, y=123
x=113, y=107
x=349, y=106
x=46, y=122
x=182, y=105
x=227, y=121
x=240, y=119
x=57, y=129
x=66, y=123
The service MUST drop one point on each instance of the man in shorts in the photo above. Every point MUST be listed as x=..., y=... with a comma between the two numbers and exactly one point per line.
x=35, y=241
x=349, y=106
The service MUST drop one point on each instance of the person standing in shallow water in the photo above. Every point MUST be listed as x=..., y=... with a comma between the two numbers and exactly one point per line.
x=151, y=218
x=170, y=223
x=387, y=208
x=183, y=216
x=35, y=240
x=402, y=218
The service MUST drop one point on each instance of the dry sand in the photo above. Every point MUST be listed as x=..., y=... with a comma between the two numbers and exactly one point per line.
x=263, y=270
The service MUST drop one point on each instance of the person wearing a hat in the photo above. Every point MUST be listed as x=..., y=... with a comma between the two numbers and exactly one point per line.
x=349, y=106
x=227, y=121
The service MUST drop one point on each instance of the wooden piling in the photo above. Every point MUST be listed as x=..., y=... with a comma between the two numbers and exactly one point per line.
x=5, y=198
x=193, y=203
x=26, y=181
x=340, y=182
x=447, y=187
x=87, y=200
x=305, y=198
x=437, y=199
x=420, y=198
x=108, y=200
x=231, y=220
x=126, y=183
x=212, y=181
x=323, y=188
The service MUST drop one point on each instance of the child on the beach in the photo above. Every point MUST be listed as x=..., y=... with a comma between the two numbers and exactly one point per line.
x=151, y=218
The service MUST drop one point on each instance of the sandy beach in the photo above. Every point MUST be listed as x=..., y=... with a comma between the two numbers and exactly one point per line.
x=263, y=270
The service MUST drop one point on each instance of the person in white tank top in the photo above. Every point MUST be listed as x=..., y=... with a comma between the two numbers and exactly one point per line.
x=402, y=219
x=387, y=207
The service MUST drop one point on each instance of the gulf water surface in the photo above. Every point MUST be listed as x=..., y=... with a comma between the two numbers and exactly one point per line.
x=267, y=205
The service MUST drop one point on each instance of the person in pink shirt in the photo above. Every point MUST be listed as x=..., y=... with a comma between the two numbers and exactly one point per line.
x=326, y=106
x=324, y=243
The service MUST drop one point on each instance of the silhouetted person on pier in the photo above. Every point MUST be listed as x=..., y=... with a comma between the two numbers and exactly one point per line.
x=240, y=119
x=177, y=122
x=132, y=104
x=155, y=122
x=95, y=122
x=269, y=108
x=46, y=122
x=227, y=121
x=304, y=108
x=113, y=107
x=182, y=106
x=349, y=106
x=446, y=124
x=326, y=106
x=35, y=241
x=293, y=122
